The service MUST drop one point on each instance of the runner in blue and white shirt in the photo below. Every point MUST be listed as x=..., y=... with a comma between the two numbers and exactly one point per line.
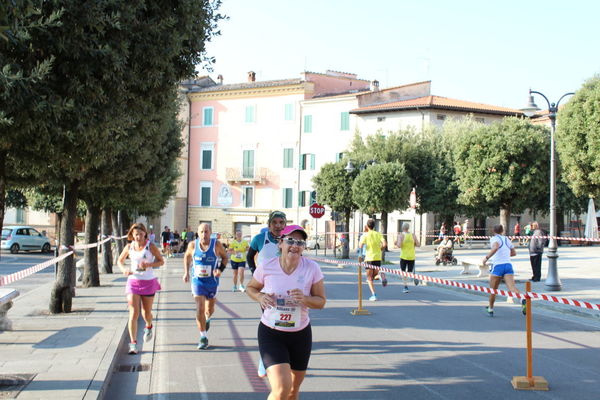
x=501, y=251
x=203, y=255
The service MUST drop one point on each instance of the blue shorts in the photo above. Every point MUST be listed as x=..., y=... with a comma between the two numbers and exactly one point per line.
x=502, y=269
x=238, y=264
x=207, y=287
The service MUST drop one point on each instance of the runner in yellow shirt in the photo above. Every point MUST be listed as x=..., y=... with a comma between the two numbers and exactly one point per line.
x=374, y=242
x=238, y=249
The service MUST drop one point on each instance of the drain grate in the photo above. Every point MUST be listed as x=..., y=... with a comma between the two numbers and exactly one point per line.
x=12, y=384
x=133, y=367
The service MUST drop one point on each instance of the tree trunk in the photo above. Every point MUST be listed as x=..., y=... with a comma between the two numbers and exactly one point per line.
x=116, y=232
x=105, y=230
x=125, y=222
x=61, y=296
x=384, y=228
x=346, y=247
x=505, y=219
x=2, y=188
x=91, y=276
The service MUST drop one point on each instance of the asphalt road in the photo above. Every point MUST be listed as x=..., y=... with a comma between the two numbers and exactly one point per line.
x=430, y=343
x=11, y=263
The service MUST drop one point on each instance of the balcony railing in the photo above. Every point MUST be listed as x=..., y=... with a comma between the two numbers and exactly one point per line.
x=250, y=175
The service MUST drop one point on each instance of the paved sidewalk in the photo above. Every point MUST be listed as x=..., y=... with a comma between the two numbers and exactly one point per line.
x=64, y=356
x=71, y=356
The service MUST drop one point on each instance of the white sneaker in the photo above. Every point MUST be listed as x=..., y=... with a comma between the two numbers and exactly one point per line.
x=147, y=334
x=132, y=348
x=242, y=288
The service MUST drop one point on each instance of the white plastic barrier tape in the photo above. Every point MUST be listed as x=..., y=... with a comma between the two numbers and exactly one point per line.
x=7, y=279
x=524, y=237
x=468, y=286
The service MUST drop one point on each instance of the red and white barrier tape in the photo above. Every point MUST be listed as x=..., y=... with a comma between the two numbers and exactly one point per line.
x=468, y=286
x=469, y=237
x=5, y=280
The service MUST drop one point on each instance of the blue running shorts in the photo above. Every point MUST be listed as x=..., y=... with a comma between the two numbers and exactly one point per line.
x=209, y=289
x=502, y=269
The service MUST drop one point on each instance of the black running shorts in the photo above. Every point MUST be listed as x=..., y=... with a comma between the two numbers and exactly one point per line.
x=278, y=347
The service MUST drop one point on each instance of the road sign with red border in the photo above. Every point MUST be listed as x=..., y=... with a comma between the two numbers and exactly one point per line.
x=316, y=210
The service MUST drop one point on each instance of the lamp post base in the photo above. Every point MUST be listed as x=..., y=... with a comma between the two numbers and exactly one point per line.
x=552, y=282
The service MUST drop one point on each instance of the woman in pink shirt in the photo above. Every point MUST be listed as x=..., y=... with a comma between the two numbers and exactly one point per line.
x=286, y=287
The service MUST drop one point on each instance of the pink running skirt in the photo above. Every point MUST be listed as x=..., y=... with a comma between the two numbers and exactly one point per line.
x=142, y=287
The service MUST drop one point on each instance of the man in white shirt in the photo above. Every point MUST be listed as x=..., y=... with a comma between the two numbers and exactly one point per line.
x=501, y=251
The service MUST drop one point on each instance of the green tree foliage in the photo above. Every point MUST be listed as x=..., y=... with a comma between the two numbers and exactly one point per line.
x=334, y=188
x=382, y=188
x=20, y=78
x=578, y=140
x=115, y=64
x=502, y=166
x=16, y=199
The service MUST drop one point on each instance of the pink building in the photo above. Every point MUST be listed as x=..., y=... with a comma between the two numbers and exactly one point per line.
x=245, y=147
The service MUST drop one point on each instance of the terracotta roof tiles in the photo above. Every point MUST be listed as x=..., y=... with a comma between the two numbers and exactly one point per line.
x=437, y=102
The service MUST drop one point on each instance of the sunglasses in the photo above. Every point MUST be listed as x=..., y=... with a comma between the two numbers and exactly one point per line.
x=291, y=242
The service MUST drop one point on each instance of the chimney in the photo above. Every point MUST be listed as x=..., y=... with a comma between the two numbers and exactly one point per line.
x=375, y=86
x=220, y=79
x=251, y=76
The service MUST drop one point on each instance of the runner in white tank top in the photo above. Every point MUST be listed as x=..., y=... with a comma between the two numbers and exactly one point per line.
x=142, y=284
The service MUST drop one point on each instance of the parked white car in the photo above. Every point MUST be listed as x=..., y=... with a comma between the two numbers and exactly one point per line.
x=318, y=243
x=24, y=238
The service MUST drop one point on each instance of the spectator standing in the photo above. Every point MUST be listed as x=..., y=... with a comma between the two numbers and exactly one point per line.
x=443, y=231
x=536, y=249
x=465, y=230
x=166, y=240
x=517, y=232
x=457, y=231
x=175, y=242
x=184, y=239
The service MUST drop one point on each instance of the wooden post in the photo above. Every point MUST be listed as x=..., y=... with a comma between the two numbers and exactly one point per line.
x=529, y=382
x=360, y=310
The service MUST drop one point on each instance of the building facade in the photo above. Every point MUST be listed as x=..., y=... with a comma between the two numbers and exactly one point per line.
x=246, y=155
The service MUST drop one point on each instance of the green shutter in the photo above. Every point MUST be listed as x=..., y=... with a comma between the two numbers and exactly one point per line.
x=289, y=112
x=205, y=201
x=248, y=164
x=288, y=158
x=312, y=161
x=307, y=123
x=206, y=159
x=208, y=116
x=249, y=114
x=345, y=121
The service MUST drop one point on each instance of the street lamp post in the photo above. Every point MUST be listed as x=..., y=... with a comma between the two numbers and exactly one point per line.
x=552, y=280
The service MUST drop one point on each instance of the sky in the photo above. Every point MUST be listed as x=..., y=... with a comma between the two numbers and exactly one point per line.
x=483, y=51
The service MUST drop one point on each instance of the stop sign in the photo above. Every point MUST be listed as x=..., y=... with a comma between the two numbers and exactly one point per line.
x=316, y=210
